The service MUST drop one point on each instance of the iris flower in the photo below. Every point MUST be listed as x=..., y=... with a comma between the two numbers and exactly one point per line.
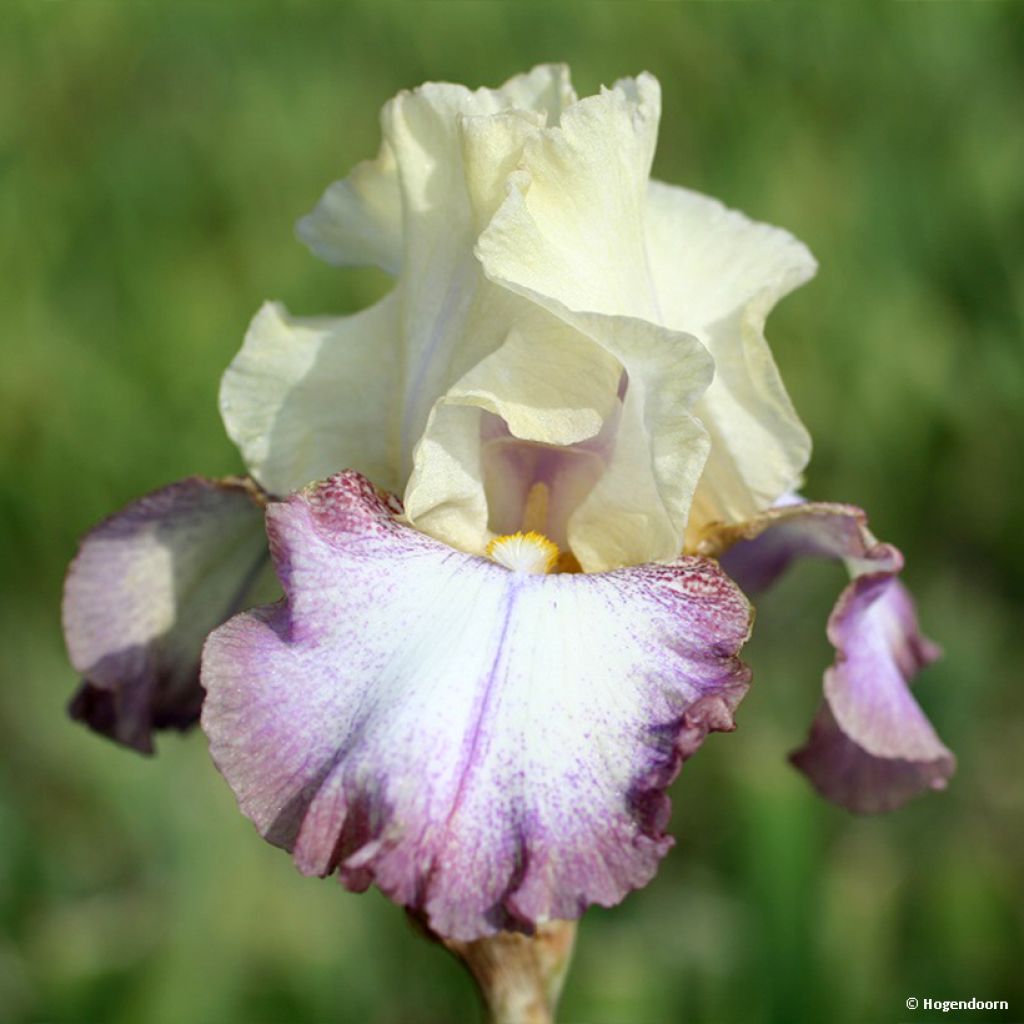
x=501, y=504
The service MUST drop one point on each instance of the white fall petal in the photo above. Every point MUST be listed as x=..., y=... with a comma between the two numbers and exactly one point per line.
x=490, y=747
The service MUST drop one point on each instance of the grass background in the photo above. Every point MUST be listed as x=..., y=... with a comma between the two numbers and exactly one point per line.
x=153, y=158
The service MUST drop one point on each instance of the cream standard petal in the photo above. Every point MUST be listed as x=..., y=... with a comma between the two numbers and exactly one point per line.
x=285, y=401
x=633, y=509
x=573, y=225
x=584, y=227
x=454, y=156
x=445, y=497
x=638, y=510
x=455, y=150
x=547, y=89
x=418, y=207
x=454, y=318
x=454, y=161
x=549, y=383
x=307, y=395
x=718, y=275
x=708, y=261
x=550, y=386
x=570, y=237
x=358, y=220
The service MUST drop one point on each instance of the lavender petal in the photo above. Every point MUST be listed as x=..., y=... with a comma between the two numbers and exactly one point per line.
x=145, y=588
x=871, y=747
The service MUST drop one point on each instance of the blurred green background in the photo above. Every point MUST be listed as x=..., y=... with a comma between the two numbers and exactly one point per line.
x=153, y=158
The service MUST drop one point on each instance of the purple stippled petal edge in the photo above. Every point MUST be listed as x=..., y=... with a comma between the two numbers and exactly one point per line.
x=490, y=749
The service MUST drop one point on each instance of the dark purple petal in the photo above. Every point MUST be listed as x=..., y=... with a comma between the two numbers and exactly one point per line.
x=871, y=747
x=145, y=588
x=490, y=748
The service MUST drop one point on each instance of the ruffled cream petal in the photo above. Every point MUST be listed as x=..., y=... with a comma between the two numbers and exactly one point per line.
x=718, y=275
x=570, y=237
x=358, y=221
x=548, y=384
x=307, y=395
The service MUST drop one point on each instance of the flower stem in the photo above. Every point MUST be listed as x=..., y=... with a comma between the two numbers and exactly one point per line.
x=520, y=977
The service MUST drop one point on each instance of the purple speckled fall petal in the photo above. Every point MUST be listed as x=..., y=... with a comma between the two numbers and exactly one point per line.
x=871, y=747
x=757, y=552
x=490, y=748
x=145, y=588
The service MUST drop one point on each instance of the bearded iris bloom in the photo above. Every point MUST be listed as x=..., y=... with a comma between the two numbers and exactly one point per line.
x=504, y=505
